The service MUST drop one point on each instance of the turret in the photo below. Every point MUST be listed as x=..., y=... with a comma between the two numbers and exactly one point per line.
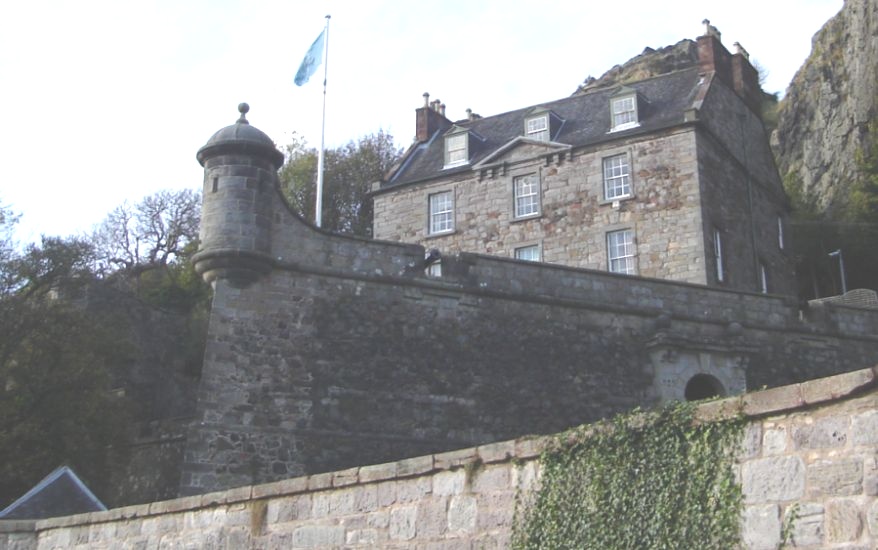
x=240, y=175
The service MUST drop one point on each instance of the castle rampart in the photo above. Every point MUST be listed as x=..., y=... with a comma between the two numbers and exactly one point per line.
x=336, y=351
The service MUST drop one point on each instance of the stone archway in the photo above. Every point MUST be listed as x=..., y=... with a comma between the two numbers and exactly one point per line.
x=703, y=386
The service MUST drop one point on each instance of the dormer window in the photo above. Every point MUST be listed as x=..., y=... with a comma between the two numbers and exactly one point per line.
x=537, y=127
x=624, y=112
x=456, y=149
x=542, y=124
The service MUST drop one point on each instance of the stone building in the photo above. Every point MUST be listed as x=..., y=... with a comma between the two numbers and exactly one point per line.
x=669, y=177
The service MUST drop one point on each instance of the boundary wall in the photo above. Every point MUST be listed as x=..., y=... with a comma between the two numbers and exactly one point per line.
x=812, y=447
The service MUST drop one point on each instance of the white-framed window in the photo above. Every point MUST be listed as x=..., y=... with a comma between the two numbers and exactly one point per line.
x=530, y=253
x=617, y=177
x=621, y=251
x=718, y=255
x=780, y=232
x=456, y=150
x=434, y=269
x=526, y=195
x=763, y=278
x=537, y=127
x=624, y=112
x=441, y=206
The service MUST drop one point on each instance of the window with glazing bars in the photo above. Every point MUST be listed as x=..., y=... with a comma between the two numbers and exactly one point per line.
x=624, y=113
x=456, y=150
x=620, y=251
x=441, y=212
x=527, y=195
x=617, y=177
x=538, y=128
x=529, y=253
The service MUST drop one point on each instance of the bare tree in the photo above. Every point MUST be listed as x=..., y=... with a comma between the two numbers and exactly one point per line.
x=150, y=234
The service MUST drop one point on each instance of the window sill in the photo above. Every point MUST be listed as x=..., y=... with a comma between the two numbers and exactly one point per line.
x=617, y=199
x=527, y=218
x=441, y=234
x=626, y=126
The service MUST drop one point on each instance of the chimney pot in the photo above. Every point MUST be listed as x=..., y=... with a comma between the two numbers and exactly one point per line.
x=442, y=109
x=710, y=30
x=740, y=49
x=428, y=119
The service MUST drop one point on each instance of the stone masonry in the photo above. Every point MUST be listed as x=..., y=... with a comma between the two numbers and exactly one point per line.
x=326, y=352
x=808, y=453
x=699, y=161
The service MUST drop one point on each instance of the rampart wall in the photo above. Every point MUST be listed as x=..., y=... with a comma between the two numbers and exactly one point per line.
x=326, y=352
x=345, y=353
x=810, y=447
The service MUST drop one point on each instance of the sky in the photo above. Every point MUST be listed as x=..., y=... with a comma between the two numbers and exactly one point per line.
x=107, y=101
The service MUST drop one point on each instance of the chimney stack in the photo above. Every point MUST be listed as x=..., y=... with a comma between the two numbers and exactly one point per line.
x=734, y=70
x=746, y=80
x=429, y=119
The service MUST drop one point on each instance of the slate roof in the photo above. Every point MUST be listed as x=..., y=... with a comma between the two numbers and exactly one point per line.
x=664, y=100
x=60, y=493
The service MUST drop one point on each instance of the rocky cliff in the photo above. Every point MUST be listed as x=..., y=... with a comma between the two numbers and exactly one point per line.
x=823, y=118
x=650, y=63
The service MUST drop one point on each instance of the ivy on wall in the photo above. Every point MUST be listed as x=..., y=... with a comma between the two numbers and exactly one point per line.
x=645, y=481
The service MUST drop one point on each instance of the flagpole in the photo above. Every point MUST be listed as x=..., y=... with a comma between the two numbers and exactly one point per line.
x=319, y=207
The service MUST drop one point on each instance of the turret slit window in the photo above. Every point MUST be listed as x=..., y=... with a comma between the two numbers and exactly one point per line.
x=215, y=185
x=537, y=128
x=621, y=251
x=527, y=195
x=617, y=177
x=718, y=255
x=441, y=206
x=456, y=152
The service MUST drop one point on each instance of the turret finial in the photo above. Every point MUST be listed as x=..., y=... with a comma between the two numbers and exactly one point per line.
x=243, y=108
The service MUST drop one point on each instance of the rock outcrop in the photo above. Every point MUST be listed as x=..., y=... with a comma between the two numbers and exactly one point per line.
x=650, y=63
x=823, y=119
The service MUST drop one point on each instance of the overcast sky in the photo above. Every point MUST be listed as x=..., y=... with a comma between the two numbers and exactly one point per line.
x=107, y=101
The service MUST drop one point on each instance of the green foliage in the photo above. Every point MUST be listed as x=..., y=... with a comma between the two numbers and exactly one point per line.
x=56, y=404
x=820, y=274
x=803, y=201
x=769, y=107
x=852, y=227
x=788, y=526
x=349, y=171
x=644, y=480
x=863, y=202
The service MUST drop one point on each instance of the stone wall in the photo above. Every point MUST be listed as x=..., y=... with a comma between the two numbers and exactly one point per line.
x=574, y=218
x=809, y=447
x=327, y=352
x=18, y=535
x=346, y=353
x=742, y=197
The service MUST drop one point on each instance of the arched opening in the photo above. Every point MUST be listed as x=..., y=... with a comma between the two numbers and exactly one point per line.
x=703, y=386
